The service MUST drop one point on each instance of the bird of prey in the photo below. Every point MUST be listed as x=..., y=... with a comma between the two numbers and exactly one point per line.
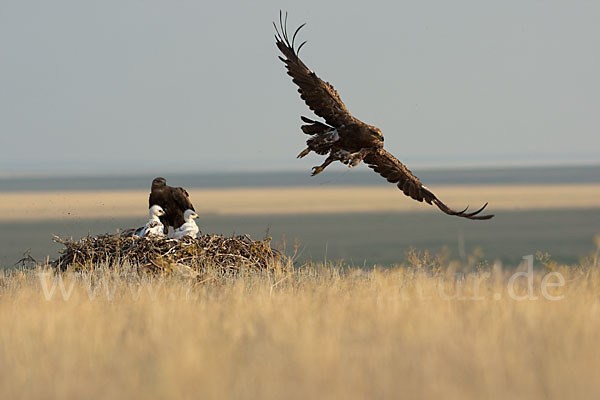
x=189, y=228
x=173, y=200
x=153, y=227
x=342, y=136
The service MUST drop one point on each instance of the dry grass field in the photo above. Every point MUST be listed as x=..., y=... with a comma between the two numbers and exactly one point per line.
x=414, y=331
x=28, y=206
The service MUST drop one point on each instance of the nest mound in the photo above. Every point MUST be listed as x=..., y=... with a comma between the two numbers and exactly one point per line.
x=157, y=254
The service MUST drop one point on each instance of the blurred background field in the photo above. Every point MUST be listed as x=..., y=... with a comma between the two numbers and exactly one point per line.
x=355, y=217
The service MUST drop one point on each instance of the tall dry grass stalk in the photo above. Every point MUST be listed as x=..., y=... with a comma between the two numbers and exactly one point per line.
x=318, y=332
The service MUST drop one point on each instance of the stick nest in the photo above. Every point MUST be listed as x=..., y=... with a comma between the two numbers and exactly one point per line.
x=156, y=254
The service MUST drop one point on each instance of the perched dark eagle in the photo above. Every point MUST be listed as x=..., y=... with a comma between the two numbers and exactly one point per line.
x=344, y=137
x=173, y=200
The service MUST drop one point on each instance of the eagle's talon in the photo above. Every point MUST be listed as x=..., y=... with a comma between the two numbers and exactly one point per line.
x=303, y=153
x=317, y=170
x=354, y=159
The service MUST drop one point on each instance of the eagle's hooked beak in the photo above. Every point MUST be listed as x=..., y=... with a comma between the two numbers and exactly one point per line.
x=378, y=137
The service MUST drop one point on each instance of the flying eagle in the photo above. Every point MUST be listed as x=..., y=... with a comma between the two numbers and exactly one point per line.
x=173, y=200
x=344, y=137
x=189, y=228
x=153, y=227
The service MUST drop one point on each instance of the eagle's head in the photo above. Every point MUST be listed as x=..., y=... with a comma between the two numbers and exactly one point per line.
x=376, y=134
x=159, y=182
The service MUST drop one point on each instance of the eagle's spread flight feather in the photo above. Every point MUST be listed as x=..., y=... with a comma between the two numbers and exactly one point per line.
x=344, y=137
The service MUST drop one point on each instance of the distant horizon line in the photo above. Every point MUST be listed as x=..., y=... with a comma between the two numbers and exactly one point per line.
x=124, y=172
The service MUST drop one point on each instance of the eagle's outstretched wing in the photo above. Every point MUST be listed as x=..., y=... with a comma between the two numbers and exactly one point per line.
x=394, y=171
x=318, y=95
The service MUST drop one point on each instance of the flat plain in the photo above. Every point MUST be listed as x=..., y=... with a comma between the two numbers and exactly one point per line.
x=362, y=225
x=53, y=205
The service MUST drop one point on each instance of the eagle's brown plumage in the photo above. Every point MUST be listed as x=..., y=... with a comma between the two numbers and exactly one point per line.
x=343, y=137
x=173, y=200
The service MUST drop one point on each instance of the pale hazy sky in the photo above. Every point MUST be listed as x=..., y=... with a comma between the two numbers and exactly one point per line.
x=161, y=86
